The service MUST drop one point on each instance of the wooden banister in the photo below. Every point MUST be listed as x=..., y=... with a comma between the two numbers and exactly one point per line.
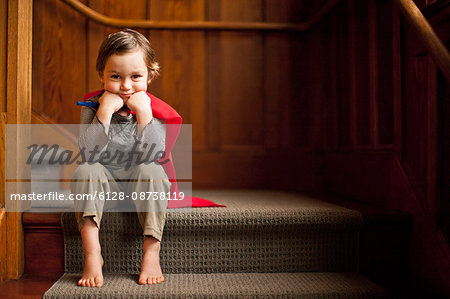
x=433, y=44
x=207, y=25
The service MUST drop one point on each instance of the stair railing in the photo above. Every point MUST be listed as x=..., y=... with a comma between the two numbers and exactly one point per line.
x=202, y=25
x=423, y=29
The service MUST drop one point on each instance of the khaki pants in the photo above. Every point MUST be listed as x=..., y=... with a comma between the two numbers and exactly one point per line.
x=140, y=179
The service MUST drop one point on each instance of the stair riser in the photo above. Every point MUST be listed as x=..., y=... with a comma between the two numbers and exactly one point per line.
x=263, y=248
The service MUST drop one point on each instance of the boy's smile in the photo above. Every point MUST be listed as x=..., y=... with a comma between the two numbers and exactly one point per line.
x=125, y=74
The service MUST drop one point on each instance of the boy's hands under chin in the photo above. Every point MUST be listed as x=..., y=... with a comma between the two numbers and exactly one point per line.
x=140, y=103
x=110, y=102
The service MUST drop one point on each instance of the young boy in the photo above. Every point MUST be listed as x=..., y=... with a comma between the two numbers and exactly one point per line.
x=126, y=65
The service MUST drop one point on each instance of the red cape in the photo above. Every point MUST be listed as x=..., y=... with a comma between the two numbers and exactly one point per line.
x=163, y=111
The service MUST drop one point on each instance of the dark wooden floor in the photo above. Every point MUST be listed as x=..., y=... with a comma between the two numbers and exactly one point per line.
x=28, y=286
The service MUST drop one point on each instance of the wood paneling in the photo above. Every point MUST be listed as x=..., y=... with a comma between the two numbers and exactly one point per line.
x=18, y=112
x=182, y=56
x=59, y=61
x=385, y=72
x=239, y=66
x=342, y=73
x=43, y=234
x=244, y=92
x=399, y=167
x=2, y=158
x=3, y=41
x=2, y=244
x=360, y=72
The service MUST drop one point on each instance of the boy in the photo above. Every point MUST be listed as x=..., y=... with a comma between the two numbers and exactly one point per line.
x=126, y=65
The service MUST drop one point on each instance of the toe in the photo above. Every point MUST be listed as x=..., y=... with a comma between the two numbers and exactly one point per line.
x=149, y=280
x=98, y=282
x=142, y=279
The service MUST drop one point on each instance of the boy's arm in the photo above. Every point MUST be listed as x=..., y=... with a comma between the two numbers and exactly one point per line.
x=92, y=133
x=150, y=132
x=140, y=103
x=153, y=138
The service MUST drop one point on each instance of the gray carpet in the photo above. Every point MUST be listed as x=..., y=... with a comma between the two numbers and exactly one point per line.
x=258, y=246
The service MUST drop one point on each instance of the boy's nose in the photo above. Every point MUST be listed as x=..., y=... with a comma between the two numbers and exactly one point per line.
x=126, y=84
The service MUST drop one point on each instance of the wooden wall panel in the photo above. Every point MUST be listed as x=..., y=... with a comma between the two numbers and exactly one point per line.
x=182, y=55
x=443, y=159
x=360, y=70
x=2, y=244
x=415, y=120
x=385, y=72
x=18, y=94
x=3, y=41
x=59, y=62
x=342, y=74
x=239, y=63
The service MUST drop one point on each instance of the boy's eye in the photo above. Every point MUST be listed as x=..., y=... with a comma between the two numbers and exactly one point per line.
x=115, y=76
x=136, y=76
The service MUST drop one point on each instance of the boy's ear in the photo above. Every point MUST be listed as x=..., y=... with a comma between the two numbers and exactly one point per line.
x=100, y=77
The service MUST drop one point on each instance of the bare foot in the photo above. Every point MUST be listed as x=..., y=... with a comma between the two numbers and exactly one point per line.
x=93, y=261
x=92, y=273
x=151, y=270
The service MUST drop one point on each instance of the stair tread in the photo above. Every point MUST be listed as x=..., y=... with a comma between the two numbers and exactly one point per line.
x=250, y=207
x=285, y=285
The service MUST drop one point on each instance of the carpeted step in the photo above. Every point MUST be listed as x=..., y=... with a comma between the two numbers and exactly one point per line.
x=258, y=232
x=231, y=285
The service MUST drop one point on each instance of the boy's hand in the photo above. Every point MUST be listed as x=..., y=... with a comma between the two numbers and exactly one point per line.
x=110, y=102
x=140, y=103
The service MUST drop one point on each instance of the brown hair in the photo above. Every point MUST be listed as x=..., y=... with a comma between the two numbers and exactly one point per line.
x=126, y=41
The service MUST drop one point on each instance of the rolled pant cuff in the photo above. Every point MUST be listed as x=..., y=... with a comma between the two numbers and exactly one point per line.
x=150, y=232
x=82, y=219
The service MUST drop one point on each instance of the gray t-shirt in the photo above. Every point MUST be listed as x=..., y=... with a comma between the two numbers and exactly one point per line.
x=119, y=145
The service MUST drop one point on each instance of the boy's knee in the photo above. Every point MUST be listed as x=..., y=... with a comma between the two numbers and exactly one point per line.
x=150, y=171
x=86, y=170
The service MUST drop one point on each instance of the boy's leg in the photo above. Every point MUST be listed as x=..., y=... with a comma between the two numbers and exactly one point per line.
x=152, y=216
x=93, y=261
x=89, y=179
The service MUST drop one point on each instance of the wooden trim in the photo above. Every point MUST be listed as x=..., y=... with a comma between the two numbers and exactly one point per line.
x=3, y=43
x=437, y=50
x=2, y=158
x=2, y=244
x=19, y=70
x=333, y=123
x=353, y=126
x=171, y=25
x=432, y=138
x=373, y=68
x=397, y=77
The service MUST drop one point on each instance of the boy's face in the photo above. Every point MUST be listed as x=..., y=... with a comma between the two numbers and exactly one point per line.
x=125, y=74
